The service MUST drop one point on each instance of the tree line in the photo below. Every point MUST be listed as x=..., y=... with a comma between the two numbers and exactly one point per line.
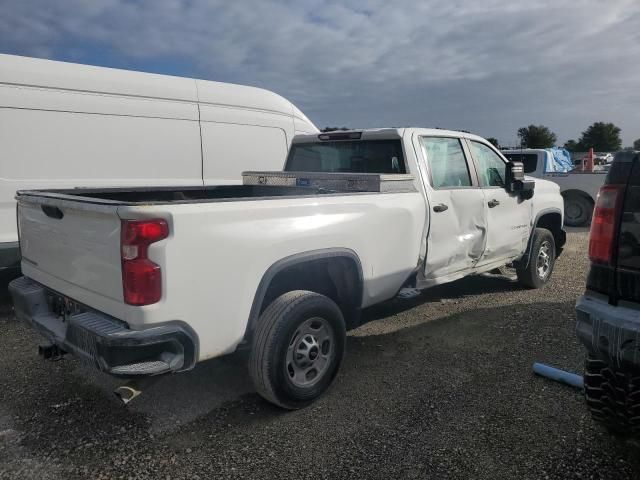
x=601, y=136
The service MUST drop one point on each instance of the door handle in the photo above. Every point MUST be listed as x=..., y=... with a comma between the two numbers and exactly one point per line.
x=493, y=203
x=441, y=207
x=52, y=212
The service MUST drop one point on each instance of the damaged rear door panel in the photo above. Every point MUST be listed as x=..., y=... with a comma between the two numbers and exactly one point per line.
x=457, y=231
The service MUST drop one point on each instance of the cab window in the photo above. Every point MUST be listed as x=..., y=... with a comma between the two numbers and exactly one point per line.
x=447, y=164
x=359, y=156
x=492, y=168
x=529, y=160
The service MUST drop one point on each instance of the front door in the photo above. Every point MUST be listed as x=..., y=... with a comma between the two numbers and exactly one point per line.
x=508, y=215
x=457, y=223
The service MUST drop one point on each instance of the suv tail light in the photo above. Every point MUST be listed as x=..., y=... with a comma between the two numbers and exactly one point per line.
x=603, y=224
x=141, y=278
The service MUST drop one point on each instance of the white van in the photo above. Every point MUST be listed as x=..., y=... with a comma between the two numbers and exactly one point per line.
x=70, y=125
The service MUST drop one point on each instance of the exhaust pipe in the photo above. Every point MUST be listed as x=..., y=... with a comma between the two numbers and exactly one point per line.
x=133, y=388
x=126, y=393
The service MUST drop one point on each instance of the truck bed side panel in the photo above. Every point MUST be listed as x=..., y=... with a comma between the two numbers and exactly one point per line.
x=588, y=183
x=218, y=253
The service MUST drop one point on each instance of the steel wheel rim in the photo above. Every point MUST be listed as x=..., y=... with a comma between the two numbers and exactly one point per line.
x=543, y=262
x=310, y=351
x=573, y=210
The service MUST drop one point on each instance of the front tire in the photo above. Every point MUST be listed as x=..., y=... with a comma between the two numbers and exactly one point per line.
x=541, y=262
x=613, y=396
x=298, y=346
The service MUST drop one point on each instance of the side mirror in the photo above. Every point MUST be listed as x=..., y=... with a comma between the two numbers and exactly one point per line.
x=515, y=181
x=515, y=172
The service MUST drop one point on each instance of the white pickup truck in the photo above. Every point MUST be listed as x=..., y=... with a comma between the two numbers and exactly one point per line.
x=579, y=189
x=146, y=281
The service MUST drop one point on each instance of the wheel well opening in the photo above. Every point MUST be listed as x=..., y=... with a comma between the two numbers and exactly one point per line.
x=578, y=193
x=338, y=278
x=553, y=222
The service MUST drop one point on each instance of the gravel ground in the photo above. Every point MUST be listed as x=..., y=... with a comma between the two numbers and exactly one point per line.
x=437, y=387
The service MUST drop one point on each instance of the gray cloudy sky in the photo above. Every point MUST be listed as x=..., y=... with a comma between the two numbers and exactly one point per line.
x=488, y=66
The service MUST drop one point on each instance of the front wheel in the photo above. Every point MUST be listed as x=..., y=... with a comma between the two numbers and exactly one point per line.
x=543, y=257
x=298, y=346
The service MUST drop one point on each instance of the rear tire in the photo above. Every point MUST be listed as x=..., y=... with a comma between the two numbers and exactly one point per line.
x=542, y=259
x=613, y=396
x=577, y=210
x=298, y=346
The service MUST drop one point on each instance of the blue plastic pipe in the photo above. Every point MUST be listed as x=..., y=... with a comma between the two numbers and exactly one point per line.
x=571, y=379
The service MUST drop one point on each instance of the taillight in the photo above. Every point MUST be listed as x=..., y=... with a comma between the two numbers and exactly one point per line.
x=141, y=278
x=603, y=223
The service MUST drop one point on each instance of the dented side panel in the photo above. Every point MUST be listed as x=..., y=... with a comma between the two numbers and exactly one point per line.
x=457, y=235
x=509, y=224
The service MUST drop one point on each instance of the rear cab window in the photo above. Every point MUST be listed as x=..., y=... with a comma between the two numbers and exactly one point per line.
x=352, y=156
x=529, y=160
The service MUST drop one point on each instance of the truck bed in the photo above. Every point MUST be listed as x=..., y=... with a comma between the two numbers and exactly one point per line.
x=163, y=195
x=257, y=185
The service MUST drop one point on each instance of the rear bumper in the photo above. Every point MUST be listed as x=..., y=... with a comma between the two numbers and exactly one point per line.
x=103, y=341
x=609, y=332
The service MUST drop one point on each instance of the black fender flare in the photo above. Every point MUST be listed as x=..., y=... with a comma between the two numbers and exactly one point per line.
x=524, y=260
x=296, y=259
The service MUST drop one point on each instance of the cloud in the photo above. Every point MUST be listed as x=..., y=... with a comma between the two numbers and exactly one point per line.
x=488, y=66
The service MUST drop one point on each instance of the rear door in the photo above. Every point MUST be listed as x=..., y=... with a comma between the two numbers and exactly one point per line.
x=457, y=226
x=508, y=215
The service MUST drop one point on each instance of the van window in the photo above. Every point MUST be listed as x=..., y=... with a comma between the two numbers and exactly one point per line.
x=359, y=156
x=447, y=163
x=230, y=149
x=530, y=160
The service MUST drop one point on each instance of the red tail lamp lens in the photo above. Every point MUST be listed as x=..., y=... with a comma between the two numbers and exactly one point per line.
x=141, y=278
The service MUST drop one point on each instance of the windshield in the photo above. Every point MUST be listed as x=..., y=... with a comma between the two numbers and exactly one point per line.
x=362, y=156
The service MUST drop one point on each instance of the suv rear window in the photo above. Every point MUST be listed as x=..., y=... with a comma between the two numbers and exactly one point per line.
x=530, y=160
x=357, y=156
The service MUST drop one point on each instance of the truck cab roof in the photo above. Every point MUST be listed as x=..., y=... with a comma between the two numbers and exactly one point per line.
x=382, y=134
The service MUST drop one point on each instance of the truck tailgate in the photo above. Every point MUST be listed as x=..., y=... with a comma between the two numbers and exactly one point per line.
x=78, y=243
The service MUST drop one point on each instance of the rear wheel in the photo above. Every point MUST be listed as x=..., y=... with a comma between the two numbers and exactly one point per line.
x=297, y=349
x=543, y=257
x=613, y=396
x=577, y=210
